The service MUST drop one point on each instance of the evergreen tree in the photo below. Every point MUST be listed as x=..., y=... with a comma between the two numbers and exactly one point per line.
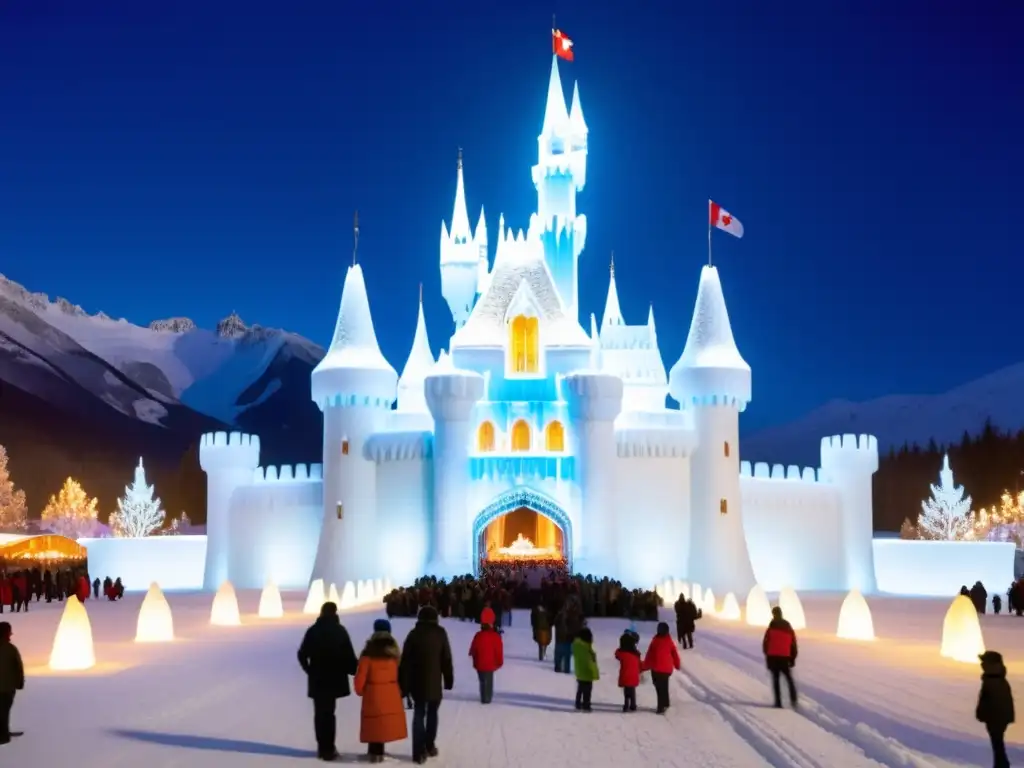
x=138, y=513
x=946, y=516
x=12, y=502
x=71, y=512
x=908, y=530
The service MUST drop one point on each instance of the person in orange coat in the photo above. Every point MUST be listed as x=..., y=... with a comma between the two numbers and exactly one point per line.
x=488, y=653
x=661, y=660
x=382, y=718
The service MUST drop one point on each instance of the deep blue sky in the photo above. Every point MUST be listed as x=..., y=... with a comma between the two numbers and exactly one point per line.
x=194, y=158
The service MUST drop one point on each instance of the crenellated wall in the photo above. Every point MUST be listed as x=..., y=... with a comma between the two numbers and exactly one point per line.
x=414, y=445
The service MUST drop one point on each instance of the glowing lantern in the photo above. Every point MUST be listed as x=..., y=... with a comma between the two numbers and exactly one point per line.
x=961, y=632
x=792, y=608
x=225, y=607
x=730, y=608
x=332, y=595
x=348, y=595
x=72, y=645
x=270, y=602
x=709, y=602
x=315, y=598
x=855, y=618
x=155, y=625
x=759, y=610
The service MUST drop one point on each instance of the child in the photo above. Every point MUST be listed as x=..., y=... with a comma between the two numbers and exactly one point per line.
x=629, y=669
x=382, y=718
x=488, y=654
x=584, y=658
x=995, y=704
x=662, y=659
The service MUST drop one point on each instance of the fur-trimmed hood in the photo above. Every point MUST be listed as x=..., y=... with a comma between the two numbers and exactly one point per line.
x=382, y=645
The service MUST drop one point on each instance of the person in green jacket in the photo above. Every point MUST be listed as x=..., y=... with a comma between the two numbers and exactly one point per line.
x=584, y=659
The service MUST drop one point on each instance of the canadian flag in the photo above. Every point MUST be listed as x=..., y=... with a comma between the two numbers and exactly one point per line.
x=561, y=45
x=721, y=218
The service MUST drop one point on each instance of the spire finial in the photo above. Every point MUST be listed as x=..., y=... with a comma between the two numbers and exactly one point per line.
x=421, y=293
x=460, y=158
x=355, y=238
x=611, y=267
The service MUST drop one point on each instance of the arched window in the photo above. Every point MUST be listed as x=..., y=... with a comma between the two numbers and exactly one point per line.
x=485, y=437
x=524, y=344
x=727, y=450
x=520, y=436
x=554, y=437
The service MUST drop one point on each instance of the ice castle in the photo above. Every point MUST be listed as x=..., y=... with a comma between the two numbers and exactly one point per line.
x=529, y=411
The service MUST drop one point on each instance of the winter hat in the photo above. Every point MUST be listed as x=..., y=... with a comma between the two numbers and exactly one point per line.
x=627, y=642
x=586, y=635
x=487, y=617
x=427, y=613
x=662, y=628
x=988, y=657
x=382, y=625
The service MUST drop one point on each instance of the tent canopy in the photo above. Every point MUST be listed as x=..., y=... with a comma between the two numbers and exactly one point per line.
x=47, y=546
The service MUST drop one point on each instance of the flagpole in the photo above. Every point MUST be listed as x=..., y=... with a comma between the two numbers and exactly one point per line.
x=709, y=241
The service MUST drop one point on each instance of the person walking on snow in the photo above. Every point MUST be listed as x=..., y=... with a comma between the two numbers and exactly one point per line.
x=995, y=705
x=382, y=718
x=488, y=654
x=629, y=669
x=584, y=659
x=426, y=668
x=662, y=660
x=779, y=648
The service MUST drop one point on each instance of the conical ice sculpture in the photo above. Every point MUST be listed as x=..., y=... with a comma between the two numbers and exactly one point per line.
x=315, y=599
x=332, y=595
x=855, y=618
x=72, y=645
x=730, y=608
x=961, y=632
x=225, y=607
x=348, y=595
x=759, y=610
x=709, y=602
x=697, y=595
x=156, y=624
x=792, y=608
x=270, y=602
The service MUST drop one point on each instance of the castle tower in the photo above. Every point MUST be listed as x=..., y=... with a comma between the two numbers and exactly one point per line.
x=713, y=380
x=594, y=400
x=561, y=172
x=229, y=462
x=460, y=256
x=848, y=462
x=417, y=366
x=354, y=386
x=451, y=394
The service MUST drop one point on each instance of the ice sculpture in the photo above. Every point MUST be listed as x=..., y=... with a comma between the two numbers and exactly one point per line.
x=72, y=645
x=225, y=607
x=378, y=588
x=315, y=599
x=792, y=608
x=730, y=608
x=709, y=602
x=668, y=592
x=270, y=602
x=348, y=595
x=364, y=592
x=697, y=594
x=961, y=632
x=332, y=595
x=387, y=586
x=855, y=618
x=156, y=624
x=759, y=610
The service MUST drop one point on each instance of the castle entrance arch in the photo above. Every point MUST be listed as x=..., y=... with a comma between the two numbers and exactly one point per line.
x=522, y=526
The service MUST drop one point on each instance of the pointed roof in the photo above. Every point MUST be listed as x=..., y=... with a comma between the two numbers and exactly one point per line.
x=353, y=365
x=417, y=366
x=556, y=117
x=711, y=366
x=480, y=233
x=460, y=215
x=612, y=312
x=650, y=322
x=576, y=122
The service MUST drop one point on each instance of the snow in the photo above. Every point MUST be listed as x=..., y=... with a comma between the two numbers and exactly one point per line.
x=195, y=701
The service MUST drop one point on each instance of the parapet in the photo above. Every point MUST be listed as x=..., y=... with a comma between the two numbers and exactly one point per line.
x=592, y=396
x=762, y=471
x=287, y=474
x=452, y=392
x=399, y=446
x=849, y=453
x=655, y=434
x=219, y=451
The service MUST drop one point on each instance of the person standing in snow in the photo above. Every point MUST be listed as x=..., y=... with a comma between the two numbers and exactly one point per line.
x=328, y=659
x=426, y=668
x=779, y=648
x=662, y=660
x=629, y=669
x=12, y=679
x=488, y=654
x=584, y=659
x=382, y=719
x=540, y=622
x=995, y=704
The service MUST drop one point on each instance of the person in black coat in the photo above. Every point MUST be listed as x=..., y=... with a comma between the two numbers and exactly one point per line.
x=423, y=673
x=328, y=659
x=995, y=704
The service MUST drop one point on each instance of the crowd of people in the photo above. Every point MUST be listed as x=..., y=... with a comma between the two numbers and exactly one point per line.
x=19, y=588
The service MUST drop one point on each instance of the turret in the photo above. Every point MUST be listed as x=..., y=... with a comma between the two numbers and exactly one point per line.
x=417, y=366
x=712, y=379
x=451, y=395
x=355, y=387
x=848, y=462
x=460, y=255
x=228, y=461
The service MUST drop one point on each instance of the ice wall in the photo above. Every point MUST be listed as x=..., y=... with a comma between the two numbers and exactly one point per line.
x=404, y=491
x=940, y=568
x=173, y=562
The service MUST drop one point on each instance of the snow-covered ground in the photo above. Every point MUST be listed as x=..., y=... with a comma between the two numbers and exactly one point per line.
x=236, y=696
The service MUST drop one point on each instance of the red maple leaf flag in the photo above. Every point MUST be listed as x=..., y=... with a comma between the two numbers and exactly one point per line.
x=561, y=45
x=721, y=218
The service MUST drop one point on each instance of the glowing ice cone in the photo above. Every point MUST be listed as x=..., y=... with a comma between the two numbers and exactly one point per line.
x=72, y=645
x=759, y=610
x=792, y=608
x=315, y=598
x=668, y=592
x=387, y=586
x=730, y=608
x=270, y=602
x=709, y=602
x=225, y=607
x=332, y=595
x=364, y=590
x=855, y=618
x=697, y=594
x=378, y=588
x=348, y=595
x=155, y=625
x=961, y=632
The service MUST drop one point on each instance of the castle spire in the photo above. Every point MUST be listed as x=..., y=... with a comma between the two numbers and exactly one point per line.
x=355, y=238
x=556, y=117
x=577, y=124
x=417, y=366
x=612, y=312
x=460, y=231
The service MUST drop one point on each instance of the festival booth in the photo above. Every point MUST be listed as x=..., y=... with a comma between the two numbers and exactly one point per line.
x=47, y=550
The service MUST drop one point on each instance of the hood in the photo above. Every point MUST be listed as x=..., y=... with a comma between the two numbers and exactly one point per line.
x=382, y=645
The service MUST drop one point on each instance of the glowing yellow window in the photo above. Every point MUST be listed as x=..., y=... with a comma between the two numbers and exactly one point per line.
x=723, y=507
x=554, y=436
x=485, y=437
x=524, y=343
x=520, y=436
x=727, y=450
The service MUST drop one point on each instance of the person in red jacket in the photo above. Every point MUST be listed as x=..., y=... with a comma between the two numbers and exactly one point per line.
x=661, y=660
x=779, y=648
x=488, y=654
x=629, y=670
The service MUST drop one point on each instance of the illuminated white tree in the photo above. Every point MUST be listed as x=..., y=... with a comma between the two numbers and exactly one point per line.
x=946, y=516
x=71, y=512
x=138, y=513
x=12, y=502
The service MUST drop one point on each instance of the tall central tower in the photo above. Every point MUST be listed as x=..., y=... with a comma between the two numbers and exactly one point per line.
x=561, y=172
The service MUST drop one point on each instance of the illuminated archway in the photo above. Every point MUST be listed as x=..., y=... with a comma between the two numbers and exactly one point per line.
x=554, y=437
x=524, y=497
x=485, y=437
x=520, y=436
x=524, y=344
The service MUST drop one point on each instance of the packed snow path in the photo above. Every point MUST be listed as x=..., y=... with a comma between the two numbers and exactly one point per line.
x=236, y=696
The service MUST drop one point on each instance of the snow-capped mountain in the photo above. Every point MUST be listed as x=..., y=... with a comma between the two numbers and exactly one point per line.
x=899, y=419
